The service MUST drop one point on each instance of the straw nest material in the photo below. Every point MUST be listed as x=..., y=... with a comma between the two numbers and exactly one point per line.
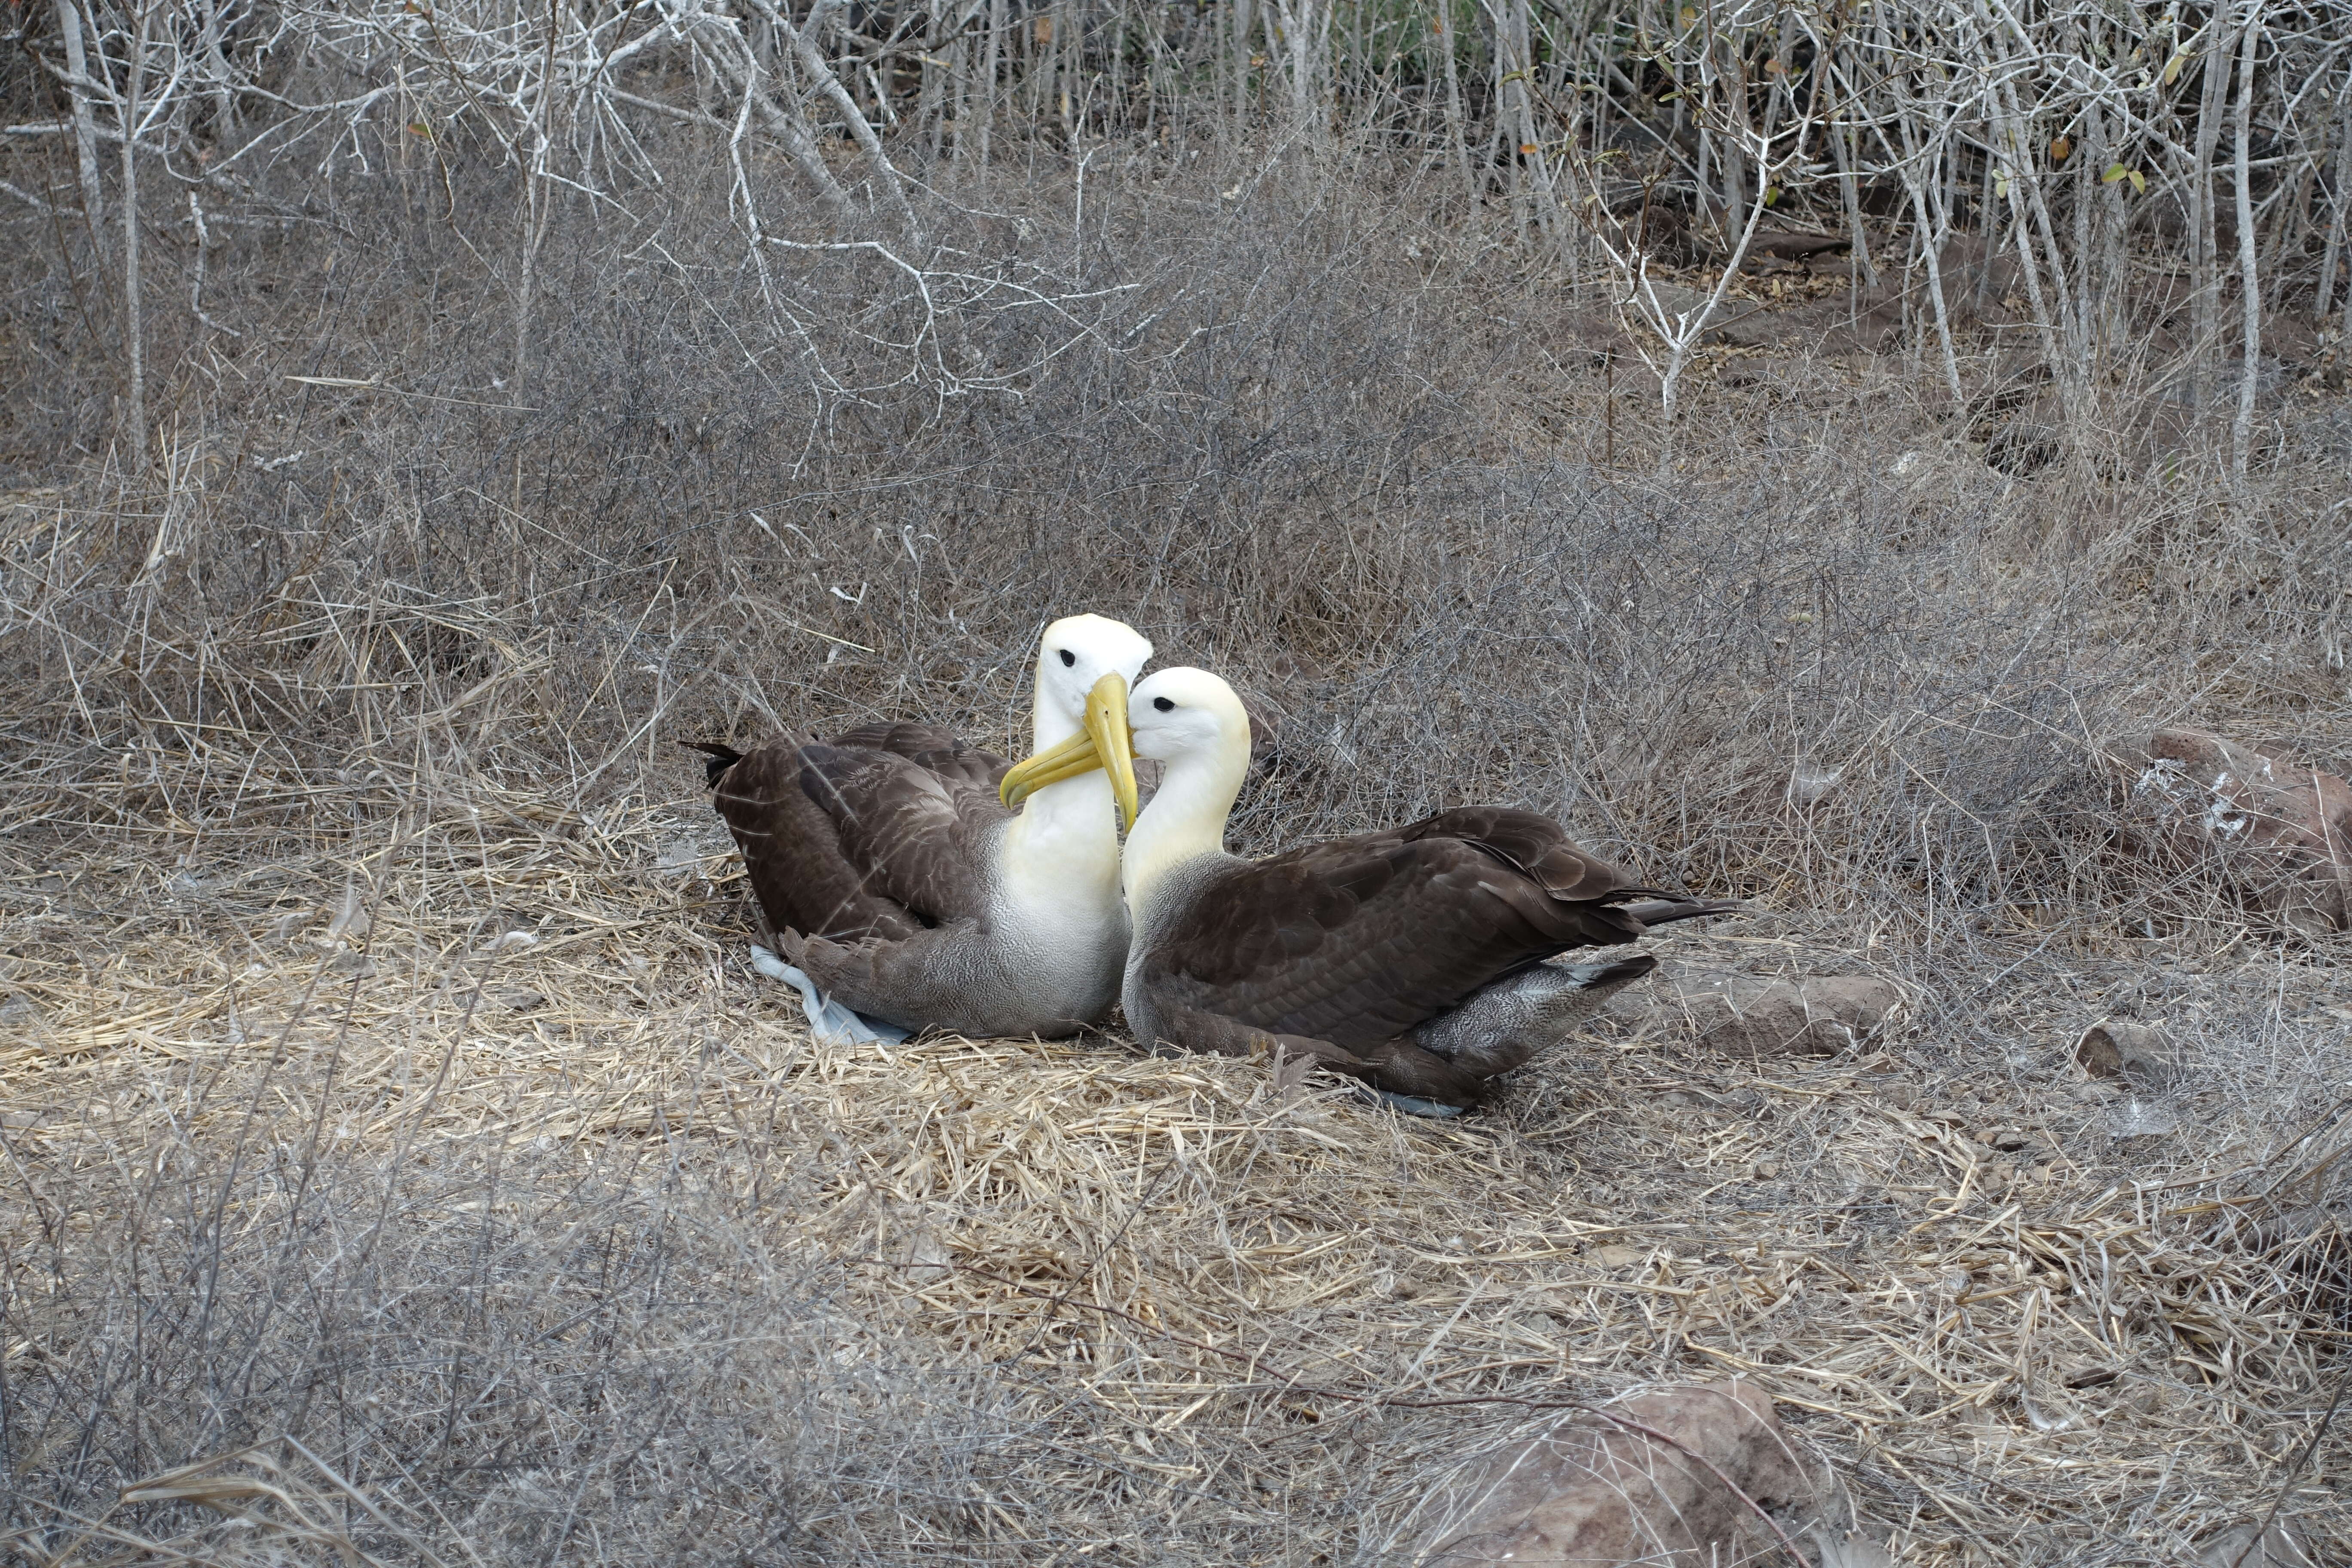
x=1182, y=1311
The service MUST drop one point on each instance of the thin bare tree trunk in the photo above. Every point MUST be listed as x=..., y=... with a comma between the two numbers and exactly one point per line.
x=1541, y=190
x=538, y=204
x=2242, y=429
x=2341, y=208
x=2064, y=327
x=803, y=42
x=1060, y=73
x=2083, y=285
x=2105, y=279
x=1850, y=194
x=959, y=89
x=1511, y=105
x=991, y=58
x=94, y=205
x=1242, y=22
x=2204, y=307
x=932, y=97
x=1932, y=235
x=1456, y=130
x=784, y=121
x=133, y=330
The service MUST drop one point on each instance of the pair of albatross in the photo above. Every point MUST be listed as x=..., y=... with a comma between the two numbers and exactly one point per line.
x=902, y=880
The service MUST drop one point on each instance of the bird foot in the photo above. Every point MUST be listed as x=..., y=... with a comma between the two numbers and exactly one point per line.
x=1415, y=1105
x=828, y=1020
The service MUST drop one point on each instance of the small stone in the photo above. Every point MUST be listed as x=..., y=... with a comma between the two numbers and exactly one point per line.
x=2238, y=1547
x=1758, y=1019
x=2125, y=1052
x=1618, y=1257
x=1595, y=1489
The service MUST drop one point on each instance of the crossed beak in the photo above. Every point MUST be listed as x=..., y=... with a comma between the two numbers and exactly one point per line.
x=1102, y=742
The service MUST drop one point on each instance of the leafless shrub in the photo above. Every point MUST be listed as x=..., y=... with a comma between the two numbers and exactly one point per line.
x=543, y=396
x=2095, y=165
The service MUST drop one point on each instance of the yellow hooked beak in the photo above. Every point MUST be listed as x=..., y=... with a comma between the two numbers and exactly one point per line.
x=1104, y=743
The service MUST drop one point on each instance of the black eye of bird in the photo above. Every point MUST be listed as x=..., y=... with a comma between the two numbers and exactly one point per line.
x=1163, y=705
x=1068, y=659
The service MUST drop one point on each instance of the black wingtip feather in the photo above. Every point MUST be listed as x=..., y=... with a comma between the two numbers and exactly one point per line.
x=717, y=759
x=1659, y=912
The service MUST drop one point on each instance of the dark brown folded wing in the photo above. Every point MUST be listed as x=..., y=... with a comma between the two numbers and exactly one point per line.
x=920, y=840
x=933, y=747
x=793, y=852
x=1359, y=941
x=882, y=834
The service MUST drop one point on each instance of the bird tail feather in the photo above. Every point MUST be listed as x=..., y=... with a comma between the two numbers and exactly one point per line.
x=717, y=759
x=1659, y=912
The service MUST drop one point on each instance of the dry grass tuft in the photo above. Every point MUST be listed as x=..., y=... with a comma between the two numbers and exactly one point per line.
x=399, y=1162
x=451, y=1191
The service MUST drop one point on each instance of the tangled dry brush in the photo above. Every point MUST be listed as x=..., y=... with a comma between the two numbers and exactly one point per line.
x=401, y=1163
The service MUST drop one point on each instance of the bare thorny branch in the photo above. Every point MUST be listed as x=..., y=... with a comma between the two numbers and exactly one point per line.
x=2085, y=145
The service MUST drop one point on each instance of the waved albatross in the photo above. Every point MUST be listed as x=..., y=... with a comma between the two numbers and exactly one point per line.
x=1410, y=958
x=897, y=879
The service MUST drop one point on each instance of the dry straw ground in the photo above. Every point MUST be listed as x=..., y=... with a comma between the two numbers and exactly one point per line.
x=398, y=1160
x=417, y=1174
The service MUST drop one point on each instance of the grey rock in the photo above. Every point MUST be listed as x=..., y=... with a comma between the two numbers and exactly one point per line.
x=2237, y=1547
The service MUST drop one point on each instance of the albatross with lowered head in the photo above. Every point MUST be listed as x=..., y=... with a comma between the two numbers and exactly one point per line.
x=897, y=879
x=1411, y=958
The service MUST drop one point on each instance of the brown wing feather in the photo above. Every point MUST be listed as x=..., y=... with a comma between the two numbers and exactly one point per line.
x=879, y=835
x=933, y=747
x=792, y=851
x=920, y=840
x=1359, y=941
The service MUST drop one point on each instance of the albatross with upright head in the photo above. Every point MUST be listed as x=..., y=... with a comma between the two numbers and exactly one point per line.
x=902, y=884
x=1411, y=958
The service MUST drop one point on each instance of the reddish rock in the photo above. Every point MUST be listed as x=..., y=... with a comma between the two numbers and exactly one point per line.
x=1596, y=1492
x=2280, y=833
x=2134, y=1053
x=1978, y=278
x=1758, y=1019
x=1789, y=245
